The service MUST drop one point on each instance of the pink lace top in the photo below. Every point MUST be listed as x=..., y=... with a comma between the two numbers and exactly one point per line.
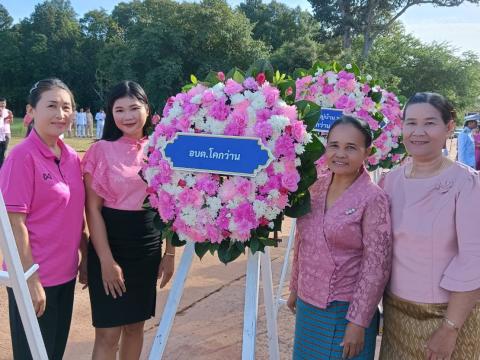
x=344, y=253
x=436, y=246
x=114, y=167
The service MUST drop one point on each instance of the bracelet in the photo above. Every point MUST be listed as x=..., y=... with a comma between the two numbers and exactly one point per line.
x=451, y=323
x=169, y=254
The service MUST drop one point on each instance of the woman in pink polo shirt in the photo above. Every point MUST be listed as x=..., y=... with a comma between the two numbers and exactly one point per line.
x=41, y=182
x=124, y=257
x=342, y=254
x=431, y=304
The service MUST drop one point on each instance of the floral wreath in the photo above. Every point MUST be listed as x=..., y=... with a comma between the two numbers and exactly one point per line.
x=331, y=86
x=227, y=213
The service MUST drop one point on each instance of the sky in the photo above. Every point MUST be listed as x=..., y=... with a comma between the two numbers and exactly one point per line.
x=459, y=26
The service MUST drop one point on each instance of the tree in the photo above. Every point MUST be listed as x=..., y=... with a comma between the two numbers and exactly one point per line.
x=5, y=19
x=366, y=18
x=406, y=65
x=275, y=23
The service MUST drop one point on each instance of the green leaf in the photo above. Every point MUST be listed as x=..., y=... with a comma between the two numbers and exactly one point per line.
x=158, y=223
x=201, y=248
x=308, y=177
x=277, y=223
x=254, y=244
x=268, y=241
x=236, y=74
x=376, y=96
x=175, y=241
x=313, y=150
x=187, y=87
x=259, y=66
x=213, y=248
x=212, y=78
x=193, y=79
x=223, y=254
x=300, y=205
x=356, y=70
x=336, y=67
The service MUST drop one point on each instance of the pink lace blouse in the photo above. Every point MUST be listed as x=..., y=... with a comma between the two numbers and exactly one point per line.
x=436, y=246
x=114, y=167
x=344, y=253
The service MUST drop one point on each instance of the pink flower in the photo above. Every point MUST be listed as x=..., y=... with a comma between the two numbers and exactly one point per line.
x=289, y=91
x=227, y=191
x=166, y=206
x=190, y=197
x=327, y=89
x=244, y=217
x=222, y=220
x=298, y=131
x=232, y=87
x=155, y=119
x=244, y=186
x=263, y=115
x=271, y=95
x=250, y=84
x=290, y=180
x=207, y=184
x=284, y=146
x=263, y=129
x=260, y=78
x=208, y=97
x=214, y=234
x=345, y=102
x=221, y=76
x=219, y=110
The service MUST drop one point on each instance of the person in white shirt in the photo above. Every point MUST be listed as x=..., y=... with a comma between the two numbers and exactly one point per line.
x=6, y=117
x=100, y=118
x=81, y=123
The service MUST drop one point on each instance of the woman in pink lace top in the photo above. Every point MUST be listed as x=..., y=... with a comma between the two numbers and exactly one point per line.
x=431, y=304
x=342, y=254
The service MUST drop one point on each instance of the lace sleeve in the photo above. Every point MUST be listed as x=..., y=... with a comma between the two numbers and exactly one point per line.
x=294, y=274
x=376, y=262
x=95, y=164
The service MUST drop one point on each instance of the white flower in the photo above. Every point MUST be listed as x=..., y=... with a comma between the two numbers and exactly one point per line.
x=172, y=189
x=299, y=149
x=298, y=162
x=308, y=138
x=278, y=167
x=348, y=66
x=273, y=194
x=232, y=226
x=278, y=122
x=259, y=207
x=369, y=78
x=261, y=178
x=216, y=127
x=150, y=173
x=237, y=99
x=190, y=180
x=232, y=204
x=272, y=213
x=218, y=89
x=258, y=101
x=197, y=99
x=319, y=72
x=189, y=215
x=175, y=111
x=161, y=142
x=214, y=204
x=332, y=78
x=271, y=224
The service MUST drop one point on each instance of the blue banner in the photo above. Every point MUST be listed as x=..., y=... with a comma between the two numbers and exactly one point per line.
x=327, y=118
x=217, y=154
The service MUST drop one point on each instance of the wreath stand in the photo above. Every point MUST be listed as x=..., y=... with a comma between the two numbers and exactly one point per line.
x=17, y=280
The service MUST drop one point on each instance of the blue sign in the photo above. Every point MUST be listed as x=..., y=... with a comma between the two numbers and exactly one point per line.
x=217, y=154
x=327, y=118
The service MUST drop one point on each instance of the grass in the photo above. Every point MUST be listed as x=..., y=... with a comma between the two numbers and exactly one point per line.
x=18, y=134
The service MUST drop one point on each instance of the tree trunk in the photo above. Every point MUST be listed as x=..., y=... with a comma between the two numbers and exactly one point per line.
x=367, y=45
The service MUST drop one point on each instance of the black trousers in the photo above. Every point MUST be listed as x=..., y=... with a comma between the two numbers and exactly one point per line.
x=3, y=150
x=54, y=323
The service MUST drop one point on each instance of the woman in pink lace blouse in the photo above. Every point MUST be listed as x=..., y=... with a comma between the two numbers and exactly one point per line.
x=342, y=254
x=124, y=257
x=431, y=304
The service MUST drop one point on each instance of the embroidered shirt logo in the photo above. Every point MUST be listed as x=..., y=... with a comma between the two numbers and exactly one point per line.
x=47, y=176
x=350, y=211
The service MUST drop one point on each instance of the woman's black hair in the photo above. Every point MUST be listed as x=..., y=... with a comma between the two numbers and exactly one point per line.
x=45, y=85
x=439, y=102
x=358, y=124
x=126, y=88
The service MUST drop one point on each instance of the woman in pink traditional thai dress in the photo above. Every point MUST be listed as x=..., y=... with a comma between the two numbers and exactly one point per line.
x=342, y=254
x=431, y=304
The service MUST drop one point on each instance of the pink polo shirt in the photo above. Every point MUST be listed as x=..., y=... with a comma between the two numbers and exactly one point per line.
x=436, y=238
x=51, y=194
x=344, y=253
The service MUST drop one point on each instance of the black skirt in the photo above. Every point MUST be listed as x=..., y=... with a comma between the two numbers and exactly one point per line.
x=136, y=246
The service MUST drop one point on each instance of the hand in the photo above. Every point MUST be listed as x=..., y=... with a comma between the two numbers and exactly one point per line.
x=82, y=272
x=441, y=344
x=165, y=270
x=113, y=280
x=39, y=299
x=353, y=341
x=292, y=302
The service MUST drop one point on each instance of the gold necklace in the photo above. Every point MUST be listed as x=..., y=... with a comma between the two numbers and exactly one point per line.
x=438, y=171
